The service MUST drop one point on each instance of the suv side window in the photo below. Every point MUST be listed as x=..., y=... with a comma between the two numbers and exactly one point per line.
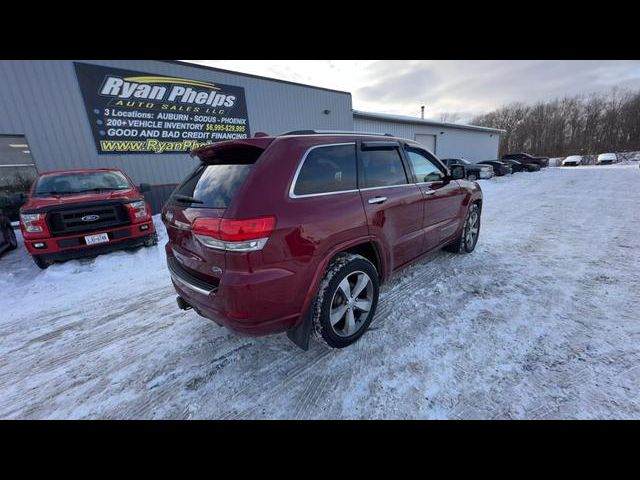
x=381, y=168
x=425, y=169
x=327, y=169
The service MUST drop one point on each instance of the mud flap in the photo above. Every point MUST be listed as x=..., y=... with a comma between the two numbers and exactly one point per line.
x=300, y=334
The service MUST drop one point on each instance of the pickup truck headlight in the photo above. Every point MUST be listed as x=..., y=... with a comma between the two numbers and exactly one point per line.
x=32, y=222
x=138, y=210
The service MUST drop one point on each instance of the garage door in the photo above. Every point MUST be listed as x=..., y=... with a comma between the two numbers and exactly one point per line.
x=428, y=141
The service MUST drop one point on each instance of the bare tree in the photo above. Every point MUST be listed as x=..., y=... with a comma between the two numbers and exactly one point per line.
x=572, y=125
x=449, y=117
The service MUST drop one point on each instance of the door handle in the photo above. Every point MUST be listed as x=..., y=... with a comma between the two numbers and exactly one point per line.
x=377, y=200
x=428, y=192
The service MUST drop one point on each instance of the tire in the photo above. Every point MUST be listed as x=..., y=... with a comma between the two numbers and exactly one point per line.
x=339, y=321
x=466, y=242
x=472, y=177
x=11, y=235
x=41, y=262
x=151, y=240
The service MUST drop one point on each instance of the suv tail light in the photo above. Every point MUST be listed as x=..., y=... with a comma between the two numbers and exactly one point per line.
x=234, y=235
x=34, y=225
x=138, y=211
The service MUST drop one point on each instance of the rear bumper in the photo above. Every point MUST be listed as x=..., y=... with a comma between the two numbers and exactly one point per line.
x=244, y=303
x=74, y=246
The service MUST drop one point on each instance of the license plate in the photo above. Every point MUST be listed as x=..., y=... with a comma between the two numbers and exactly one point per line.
x=99, y=238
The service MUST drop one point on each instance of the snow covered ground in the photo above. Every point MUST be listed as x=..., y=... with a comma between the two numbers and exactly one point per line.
x=541, y=321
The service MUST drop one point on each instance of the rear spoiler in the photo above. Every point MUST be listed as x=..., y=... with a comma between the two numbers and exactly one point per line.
x=211, y=151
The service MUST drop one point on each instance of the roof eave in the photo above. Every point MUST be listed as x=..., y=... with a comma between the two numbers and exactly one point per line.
x=419, y=121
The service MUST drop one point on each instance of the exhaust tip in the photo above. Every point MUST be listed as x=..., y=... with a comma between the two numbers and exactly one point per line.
x=183, y=304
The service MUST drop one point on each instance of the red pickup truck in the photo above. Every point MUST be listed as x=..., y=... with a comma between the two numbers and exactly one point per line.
x=79, y=213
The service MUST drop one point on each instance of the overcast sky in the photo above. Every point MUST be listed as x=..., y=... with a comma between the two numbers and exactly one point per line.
x=466, y=87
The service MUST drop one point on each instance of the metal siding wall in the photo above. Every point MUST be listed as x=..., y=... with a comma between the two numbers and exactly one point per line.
x=454, y=142
x=41, y=99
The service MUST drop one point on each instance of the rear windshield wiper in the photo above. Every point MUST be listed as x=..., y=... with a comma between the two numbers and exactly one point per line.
x=186, y=198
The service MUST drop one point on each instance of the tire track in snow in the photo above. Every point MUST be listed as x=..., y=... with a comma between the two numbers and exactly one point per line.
x=310, y=395
x=278, y=385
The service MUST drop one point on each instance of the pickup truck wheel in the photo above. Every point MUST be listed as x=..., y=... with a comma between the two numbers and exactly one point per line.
x=346, y=301
x=11, y=236
x=468, y=238
x=151, y=240
x=41, y=262
x=472, y=177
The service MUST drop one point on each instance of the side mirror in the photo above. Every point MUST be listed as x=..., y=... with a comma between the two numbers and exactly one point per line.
x=144, y=187
x=458, y=172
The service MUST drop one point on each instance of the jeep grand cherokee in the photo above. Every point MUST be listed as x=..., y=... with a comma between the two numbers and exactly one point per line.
x=297, y=232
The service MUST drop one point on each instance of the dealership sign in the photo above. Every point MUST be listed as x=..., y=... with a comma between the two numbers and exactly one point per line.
x=134, y=112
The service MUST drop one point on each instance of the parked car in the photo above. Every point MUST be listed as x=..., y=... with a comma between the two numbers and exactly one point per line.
x=8, y=240
x=635, y=157
x=269, y=234
x=79, y=213
x=572, y=161
x=527, y=158
x=517, y=166
x=555, y=162
x=474, y=171
x=499, y=168
x=606, y=159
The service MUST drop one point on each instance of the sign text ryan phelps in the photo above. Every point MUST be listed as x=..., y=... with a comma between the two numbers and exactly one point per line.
x=120, y=88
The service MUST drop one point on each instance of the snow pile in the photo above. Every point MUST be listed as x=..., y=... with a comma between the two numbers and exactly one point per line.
x=120, y=272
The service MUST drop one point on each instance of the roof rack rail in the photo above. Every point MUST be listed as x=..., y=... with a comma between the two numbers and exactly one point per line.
x=330, y=132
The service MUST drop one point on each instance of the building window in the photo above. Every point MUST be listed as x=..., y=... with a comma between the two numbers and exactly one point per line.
x=17, y=170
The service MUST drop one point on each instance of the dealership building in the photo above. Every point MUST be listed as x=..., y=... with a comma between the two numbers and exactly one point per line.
x=144, y=116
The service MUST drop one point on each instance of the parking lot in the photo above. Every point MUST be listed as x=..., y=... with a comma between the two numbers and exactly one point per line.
x=541, y=321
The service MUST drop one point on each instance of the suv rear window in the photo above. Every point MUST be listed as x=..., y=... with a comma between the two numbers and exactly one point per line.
x=326, y=169
x=214, y=185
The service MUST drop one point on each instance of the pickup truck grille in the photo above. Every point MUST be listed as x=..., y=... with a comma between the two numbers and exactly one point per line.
x=69, y=222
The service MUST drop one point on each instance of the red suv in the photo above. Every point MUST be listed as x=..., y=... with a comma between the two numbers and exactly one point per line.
x=78, y=213
x=296, y=232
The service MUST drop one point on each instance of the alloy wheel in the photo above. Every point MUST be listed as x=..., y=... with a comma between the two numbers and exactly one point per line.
x=472, y=228
x=351, y=304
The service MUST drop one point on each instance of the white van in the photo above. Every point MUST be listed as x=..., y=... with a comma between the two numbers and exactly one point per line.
x=606, y=159
x=572, y=161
